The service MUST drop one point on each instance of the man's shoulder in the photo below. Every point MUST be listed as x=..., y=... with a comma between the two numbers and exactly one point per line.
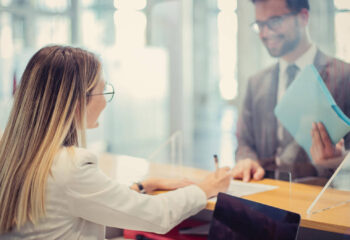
x=334, y=65
x=264, y=73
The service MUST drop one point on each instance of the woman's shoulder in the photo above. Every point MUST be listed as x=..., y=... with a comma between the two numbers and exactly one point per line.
x=76, y=156
x=70, y=160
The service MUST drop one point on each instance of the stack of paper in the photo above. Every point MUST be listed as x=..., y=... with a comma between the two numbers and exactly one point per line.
x=308, y=100
x=240, y=189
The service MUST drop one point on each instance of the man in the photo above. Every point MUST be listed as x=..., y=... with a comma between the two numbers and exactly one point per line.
x=263, y=143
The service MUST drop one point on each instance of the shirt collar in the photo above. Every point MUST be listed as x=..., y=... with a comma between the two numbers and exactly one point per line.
x=304, y=60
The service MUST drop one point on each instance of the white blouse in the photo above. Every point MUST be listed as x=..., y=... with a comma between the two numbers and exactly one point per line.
x=81, y=200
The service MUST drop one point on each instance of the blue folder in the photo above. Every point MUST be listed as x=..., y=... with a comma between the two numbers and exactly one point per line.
x=308, y=100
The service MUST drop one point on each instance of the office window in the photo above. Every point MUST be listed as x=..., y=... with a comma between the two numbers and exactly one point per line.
x=227, y=47
x=119, y=23
x=52, y=30
x=97, y=24
x=26, y=26
x=61, y=5
x=342, y=29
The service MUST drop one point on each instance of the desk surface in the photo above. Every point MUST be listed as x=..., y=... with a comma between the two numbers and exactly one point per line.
x=293, y=197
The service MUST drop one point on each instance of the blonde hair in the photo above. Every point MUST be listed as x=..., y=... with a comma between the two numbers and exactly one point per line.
x=48, y=113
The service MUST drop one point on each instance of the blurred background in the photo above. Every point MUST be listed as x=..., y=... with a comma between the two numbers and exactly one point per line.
x=176, y=65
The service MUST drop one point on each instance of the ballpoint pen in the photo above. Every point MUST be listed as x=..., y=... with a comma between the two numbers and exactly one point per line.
x=216, y=161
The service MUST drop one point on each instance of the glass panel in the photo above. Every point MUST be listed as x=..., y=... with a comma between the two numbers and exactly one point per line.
x=170, y=152
x=336, y=192
x=136, y=120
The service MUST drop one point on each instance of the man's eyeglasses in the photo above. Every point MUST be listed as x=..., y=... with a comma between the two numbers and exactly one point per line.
x=108, y=92
x=273, y=23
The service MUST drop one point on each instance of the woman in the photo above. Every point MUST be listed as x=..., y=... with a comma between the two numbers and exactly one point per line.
x=50, y=188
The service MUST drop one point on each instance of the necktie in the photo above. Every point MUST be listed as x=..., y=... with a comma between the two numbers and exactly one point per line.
x=291, y=72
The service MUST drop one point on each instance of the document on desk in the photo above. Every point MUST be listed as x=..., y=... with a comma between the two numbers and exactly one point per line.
x=308, y=100
x=240, y=189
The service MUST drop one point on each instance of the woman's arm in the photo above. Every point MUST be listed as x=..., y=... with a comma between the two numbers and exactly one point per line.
x=95, y=197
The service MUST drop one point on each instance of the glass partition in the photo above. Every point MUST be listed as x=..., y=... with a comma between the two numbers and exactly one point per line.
x=170, y=154
x=336, y=192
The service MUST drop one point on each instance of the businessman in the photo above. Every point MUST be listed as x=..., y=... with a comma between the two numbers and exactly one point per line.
x=263, y=143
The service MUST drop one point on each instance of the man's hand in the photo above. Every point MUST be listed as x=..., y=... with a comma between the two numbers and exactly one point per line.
x=323, y=151
x=248, y=169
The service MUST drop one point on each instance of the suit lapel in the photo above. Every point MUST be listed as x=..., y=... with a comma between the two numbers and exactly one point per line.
x=270, y=130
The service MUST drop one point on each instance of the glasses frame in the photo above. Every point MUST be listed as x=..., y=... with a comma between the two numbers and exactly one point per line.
x=105, y=93
x=273, y=23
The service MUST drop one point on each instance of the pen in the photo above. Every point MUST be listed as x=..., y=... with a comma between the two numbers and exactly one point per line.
x=216, y=161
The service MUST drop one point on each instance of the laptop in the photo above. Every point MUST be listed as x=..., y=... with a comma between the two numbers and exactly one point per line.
x=241, y=219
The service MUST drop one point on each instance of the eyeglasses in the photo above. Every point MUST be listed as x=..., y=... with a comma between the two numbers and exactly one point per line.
x=273, y=23
x=108, y=92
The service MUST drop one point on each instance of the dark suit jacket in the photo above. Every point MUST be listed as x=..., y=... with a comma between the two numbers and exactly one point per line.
x=257, y=124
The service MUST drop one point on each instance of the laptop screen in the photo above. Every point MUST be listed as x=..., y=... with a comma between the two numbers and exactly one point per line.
x=241, y=219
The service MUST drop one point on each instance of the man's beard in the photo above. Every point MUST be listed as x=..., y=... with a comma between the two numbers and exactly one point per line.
x=287, y=47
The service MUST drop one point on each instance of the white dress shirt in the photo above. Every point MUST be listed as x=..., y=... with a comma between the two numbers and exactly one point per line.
x=306, y=59
x=81, y=201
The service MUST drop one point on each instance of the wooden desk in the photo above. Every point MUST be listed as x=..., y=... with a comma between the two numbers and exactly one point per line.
x=293, y=197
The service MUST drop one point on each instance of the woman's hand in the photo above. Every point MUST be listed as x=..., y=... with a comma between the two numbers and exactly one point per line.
x=216, y=182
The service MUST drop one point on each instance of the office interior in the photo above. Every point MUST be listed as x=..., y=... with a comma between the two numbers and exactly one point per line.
x=176, y=65
x=179, y=67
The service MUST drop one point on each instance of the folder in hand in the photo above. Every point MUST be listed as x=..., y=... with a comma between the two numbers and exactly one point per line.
x=308, y=100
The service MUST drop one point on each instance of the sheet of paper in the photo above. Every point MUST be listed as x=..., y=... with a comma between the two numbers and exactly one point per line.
x=240, y=189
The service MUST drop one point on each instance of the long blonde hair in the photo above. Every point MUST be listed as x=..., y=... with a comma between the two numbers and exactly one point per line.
x=48, y=113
